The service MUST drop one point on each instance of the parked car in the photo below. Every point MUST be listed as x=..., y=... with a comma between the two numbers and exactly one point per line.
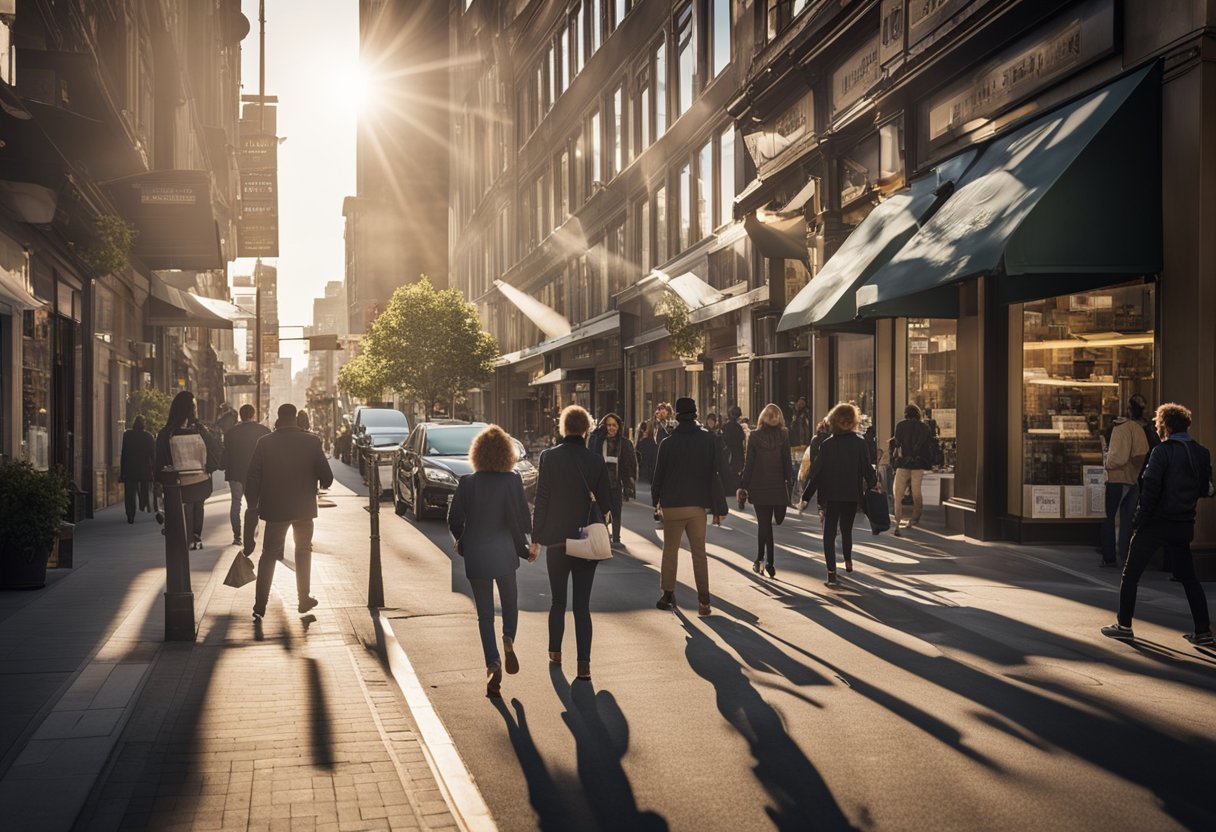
x=382, y=428
x=430, y=463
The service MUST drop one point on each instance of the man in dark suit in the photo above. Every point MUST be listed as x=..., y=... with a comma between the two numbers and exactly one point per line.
x=138, y=458
x=239, y=443
x=281, y=485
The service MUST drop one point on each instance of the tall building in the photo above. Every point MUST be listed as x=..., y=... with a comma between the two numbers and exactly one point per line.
x=397, y=221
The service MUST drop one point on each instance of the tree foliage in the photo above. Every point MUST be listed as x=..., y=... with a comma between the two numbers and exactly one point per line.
x=687, y=339
x=427, y=345
x=150, y=403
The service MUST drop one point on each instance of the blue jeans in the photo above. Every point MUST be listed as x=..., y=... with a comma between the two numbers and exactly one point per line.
x=483, y=596
x=1121, y=500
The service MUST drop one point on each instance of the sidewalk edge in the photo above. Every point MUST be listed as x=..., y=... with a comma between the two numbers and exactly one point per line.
x=453, y=777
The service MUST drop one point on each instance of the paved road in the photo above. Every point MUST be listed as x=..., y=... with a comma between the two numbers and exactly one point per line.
x=945, y=685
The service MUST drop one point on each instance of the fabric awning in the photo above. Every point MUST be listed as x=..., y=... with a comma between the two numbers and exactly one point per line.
x=168, y=306
x=1071, y=201
x=829, y=297
x=691, y=289
x=559, y=375
x=14, y=293
x=172, y=213
x=603, y=325
x=781, y=235
x=729, y=304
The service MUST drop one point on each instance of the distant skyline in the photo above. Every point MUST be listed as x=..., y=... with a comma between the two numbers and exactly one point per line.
x=312, y=51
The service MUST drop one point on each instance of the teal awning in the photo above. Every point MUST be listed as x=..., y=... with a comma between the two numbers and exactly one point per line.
x=1071, y=201
x=829, y=296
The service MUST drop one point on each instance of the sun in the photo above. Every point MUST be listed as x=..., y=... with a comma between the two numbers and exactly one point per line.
x=354, y=87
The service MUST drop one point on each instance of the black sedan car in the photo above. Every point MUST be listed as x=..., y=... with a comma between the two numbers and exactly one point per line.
x=430, y=463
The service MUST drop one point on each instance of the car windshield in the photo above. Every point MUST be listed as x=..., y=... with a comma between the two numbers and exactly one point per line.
x=382, y=418
x=381, y=440
x=451, y=441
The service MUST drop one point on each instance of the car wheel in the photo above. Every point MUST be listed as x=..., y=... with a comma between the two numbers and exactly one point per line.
x=418, y=504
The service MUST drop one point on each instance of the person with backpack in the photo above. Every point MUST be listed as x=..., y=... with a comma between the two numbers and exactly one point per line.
x=186, y=444
x=765, y=477
x=1125, y=456
x=912, y=451
x=1178, y=474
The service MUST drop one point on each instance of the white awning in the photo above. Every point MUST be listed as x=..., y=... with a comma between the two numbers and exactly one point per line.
x=14, y=293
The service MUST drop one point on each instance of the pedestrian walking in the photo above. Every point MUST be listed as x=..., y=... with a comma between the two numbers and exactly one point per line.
x=608, y=440
x=912, y=450
x=137, y=467
x=840, y=473
x=1178, y=473
x=735, y=440
x=281, y=486
x=226, y=419
x=647, y=451
x=489, y=521
x=1126, y=454
x=186, y=444
x=570, y=477
x=687, y=484
x=303, y=422
x=661, y=428
x=800, y=432
x=766, y=475
x=238, y=451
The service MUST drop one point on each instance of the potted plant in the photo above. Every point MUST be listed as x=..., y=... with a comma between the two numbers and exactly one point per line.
x=32, y=504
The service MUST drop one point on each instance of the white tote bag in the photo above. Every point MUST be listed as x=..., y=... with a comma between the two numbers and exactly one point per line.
x=593, y=542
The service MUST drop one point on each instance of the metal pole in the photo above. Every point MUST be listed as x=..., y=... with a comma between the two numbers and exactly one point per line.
x=262, y=66
x=257, y=337
x=375, y=576
x=179, y=598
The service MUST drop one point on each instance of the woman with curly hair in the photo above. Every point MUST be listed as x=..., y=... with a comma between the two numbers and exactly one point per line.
x=837, y=474
x=490, y=523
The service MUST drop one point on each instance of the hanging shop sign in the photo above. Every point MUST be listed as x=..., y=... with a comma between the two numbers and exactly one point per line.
x=1020, y=72
x=783, y=139
x=856, y=76
x=258, y=221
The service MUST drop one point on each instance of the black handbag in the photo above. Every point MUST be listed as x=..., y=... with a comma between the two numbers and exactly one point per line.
x=876, y=511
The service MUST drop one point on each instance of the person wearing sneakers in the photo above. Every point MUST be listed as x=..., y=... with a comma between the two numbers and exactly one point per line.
x=281, y=486
x=912, y=450
x=766, y=474
x=489, y=521
x=687, y=483
x=1178, y=473
x=838, y=473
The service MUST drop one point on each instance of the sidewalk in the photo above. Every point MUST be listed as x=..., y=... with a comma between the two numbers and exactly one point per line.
x=289, y=724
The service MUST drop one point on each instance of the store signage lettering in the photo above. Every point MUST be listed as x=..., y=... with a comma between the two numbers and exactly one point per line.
x=786, y=137
x=1023, y=70
x=924, y=16
x=856, y=76
x=258, y=221
x=167, y=195
x=894, y=26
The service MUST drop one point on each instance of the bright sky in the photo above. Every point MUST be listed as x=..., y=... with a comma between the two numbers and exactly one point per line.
x=312, y=51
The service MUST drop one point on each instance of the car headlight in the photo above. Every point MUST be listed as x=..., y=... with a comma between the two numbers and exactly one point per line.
x=440, y=475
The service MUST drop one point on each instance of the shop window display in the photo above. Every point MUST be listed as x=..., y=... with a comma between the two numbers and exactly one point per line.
x=1083, y=356
x=855, y=373
x=932, y=378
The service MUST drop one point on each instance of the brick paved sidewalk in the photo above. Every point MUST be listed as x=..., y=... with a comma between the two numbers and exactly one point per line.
x=289, y=724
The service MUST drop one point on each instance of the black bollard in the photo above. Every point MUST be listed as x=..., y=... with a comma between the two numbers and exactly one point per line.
x=375, y=575
x=179, y=599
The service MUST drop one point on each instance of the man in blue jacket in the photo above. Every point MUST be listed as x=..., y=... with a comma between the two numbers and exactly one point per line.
x=1178, y=473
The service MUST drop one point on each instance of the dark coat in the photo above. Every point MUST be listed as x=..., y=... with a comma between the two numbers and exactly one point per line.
x=1173, y=481
x=567, y=471
x=283, y=476
x=164, y=457
x=648, y=453
x=138, y=456
x=839, y=469
x=801, y=429
x=488, y=519
x=239, y=443
x=733, y=436
x=688, y=471
x=913, y=445
x=769, y=467
x=624, y=474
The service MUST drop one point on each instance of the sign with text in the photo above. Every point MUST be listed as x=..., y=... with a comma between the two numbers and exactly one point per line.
x=258, y=221
x=856, y=76
x=925, y=16
x=784, y=137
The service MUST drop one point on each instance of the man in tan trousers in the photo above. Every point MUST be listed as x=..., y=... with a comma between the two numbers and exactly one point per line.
x=686, y=485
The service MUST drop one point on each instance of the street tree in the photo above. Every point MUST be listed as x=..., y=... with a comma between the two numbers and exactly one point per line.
x=427, y=345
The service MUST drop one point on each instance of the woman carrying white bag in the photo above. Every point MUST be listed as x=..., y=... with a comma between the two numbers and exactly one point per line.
x=571, y=489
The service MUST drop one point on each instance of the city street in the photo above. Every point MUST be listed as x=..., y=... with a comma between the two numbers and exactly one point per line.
x=944, y=685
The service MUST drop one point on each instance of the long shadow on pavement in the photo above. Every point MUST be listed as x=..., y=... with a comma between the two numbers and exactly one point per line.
x=544, y=791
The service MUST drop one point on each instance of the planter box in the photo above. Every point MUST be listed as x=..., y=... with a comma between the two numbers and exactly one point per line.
x=61, y=552
x=17, y=573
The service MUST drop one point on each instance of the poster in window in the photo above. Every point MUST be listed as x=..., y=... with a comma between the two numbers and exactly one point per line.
x=1076, y=502
x=947, y=422
x=1095, y=485
x=1045, y=501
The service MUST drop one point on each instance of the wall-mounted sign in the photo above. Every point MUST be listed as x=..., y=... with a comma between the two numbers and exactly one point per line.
x=783, y=138
x=856, y=76
x=925, y=16
x=894, y=27
x=169, y=194
x=258, y=221
x=1018, y=73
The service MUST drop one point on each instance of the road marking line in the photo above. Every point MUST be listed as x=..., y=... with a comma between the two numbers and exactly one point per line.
x=453, y=777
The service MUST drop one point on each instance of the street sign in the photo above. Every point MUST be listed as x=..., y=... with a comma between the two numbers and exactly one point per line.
x=323, y=342
x=258, y=221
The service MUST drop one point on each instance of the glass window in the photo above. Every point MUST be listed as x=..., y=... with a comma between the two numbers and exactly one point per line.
x=719, y=36
x=450, y=441
x=660, y=225
x=644, y=233
x=36, y=388
x=578, y=27
x=562, y=186
x=684, y=200
x=705, y=189
x=643, y=110
x=597, y=24
x=561, y=61
x=854, y=378
x=859, y=170
x=619, y=136
x=686, y=58
x=726, y=175
x=660, y=89
x=932, y=375
x=891, y=156
x=597, y=155
x=1083, y=357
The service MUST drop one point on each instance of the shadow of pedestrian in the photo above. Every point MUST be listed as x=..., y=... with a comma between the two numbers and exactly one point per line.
x=801, y=796
x=320, y=726
x=601, y=738
x=544, y=792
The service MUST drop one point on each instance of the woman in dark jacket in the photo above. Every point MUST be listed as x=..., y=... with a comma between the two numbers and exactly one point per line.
x=647, y=452
x=609, y=441
x=837, y=474
x=489, y=520
x=765, y=474
x=136, y=471
x=569, y=475
x=183, y=422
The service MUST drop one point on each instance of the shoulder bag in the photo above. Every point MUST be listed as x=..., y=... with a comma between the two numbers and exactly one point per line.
x=593, y=541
